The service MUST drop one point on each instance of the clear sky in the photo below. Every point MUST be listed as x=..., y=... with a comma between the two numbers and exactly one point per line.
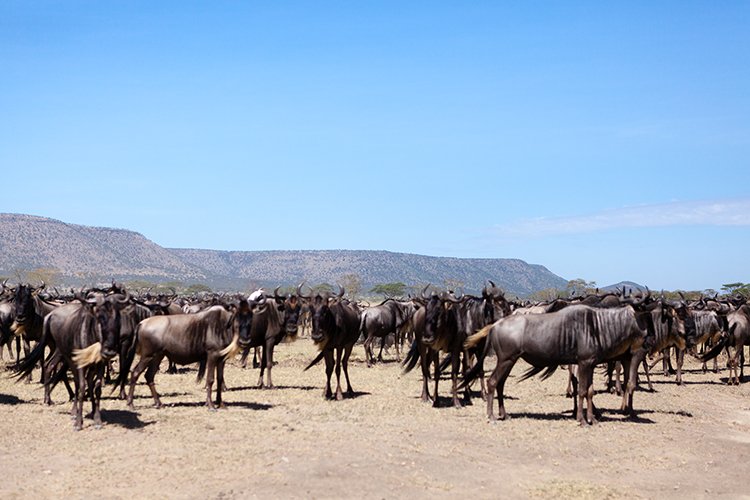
x=605, y=140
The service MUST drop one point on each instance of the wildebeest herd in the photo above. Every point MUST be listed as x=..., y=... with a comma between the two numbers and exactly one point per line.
x=93, y=336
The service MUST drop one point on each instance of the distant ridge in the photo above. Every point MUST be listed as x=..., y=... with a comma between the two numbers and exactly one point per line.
x=85, y=253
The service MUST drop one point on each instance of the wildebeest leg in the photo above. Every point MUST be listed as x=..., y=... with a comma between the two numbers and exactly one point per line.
x=436, y=361
x=665, y=361
x=618, y=373
x=648, y=375
x=80, y=396
x=243, y=358
x=263, y=364
x=339, y=394
x=455, y=365
x=425, y=364
x=210, y=373
x=631, y=375
x=398, y=339
x=151, y=371
x=465, y=367
x=569, y=389
x=172, y=367
x=219, y=382
x=95, y=377
x=368, y=349
x=382, y=345
x=345, y=362
x=255, y=357
x=134, y=374
x=680, y=359
x=496, y=382
x=269, y=361
x=585, y=392
x=327, y=392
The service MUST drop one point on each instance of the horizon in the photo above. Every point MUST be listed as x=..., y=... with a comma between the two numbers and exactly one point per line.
x=604, y=142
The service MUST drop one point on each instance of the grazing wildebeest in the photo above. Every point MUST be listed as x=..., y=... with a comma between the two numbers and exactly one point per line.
x=209, y=337
x=82, y=337
x=380, y=320
x=577, y=334
x=273, y=320
x=335, y=328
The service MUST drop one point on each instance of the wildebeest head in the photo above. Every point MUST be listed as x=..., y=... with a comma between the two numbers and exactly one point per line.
x=24, y=303
x=291, y=308
x=437, y=313
x=323, y=321
x=685, y=324
x=108, y=321
x=243, y=320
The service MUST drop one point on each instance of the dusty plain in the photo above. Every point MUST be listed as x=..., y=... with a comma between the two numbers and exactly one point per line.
x=690, y=441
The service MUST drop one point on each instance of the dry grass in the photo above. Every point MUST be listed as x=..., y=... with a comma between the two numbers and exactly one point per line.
x=288, y=442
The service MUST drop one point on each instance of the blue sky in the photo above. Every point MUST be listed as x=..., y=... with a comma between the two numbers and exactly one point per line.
x=607, y=141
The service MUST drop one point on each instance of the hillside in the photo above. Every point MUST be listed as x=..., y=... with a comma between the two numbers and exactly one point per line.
x=83, y=253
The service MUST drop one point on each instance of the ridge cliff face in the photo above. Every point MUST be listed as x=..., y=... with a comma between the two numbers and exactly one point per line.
x=79, y=252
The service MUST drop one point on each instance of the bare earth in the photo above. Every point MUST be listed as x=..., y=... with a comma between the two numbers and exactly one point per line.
x=690, y=441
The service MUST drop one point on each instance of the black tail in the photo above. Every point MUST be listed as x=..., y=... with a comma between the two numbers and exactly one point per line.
x=412, y=358
x=720, y=345
x=201, y=369
x=23, y=367
x=548, y=371
x=481, y=352
x=315, y=361
x=444, y=364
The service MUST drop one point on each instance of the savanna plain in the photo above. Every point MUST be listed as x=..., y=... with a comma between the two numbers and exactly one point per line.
x=690, y=441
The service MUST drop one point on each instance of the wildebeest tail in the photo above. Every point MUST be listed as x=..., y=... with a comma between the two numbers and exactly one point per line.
x=201, y=369
x=478, y=367
x=315, y=361
x=412, y=358
x=720, y=345
x=548, y=371
x=23, y=367
x=474, y=339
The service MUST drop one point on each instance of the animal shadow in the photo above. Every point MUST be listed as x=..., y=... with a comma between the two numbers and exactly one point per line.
x=9, y=399
x=126, y=419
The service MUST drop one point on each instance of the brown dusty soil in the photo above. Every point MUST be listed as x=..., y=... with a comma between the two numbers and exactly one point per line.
x=691, y=441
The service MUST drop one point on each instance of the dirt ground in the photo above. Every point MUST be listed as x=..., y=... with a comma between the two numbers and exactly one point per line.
x=690, y=441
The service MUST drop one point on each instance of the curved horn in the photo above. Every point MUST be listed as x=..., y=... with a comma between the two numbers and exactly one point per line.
x=422, y=292
x=125, y=299
x=276, y=293
x=341, y=292
x=299, y=291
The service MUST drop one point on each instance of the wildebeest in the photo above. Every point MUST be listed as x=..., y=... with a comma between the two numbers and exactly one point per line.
x=335, y=329
x=736, y=338
x=441, y=333
x=208, y=337
x=82, y=337
x=577, y=334
x=30, y=310
x=273, y=319
x=380, y=320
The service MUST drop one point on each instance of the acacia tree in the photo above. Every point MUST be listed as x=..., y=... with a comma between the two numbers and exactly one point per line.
x=352, y=283
x=580, y=286
x=389, y=289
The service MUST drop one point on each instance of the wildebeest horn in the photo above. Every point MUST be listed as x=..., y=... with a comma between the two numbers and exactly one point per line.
x=299, y=291
x=125, y=298
x=492, y=283
x=422, y=292
x=341, y=292
x=276, y=293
